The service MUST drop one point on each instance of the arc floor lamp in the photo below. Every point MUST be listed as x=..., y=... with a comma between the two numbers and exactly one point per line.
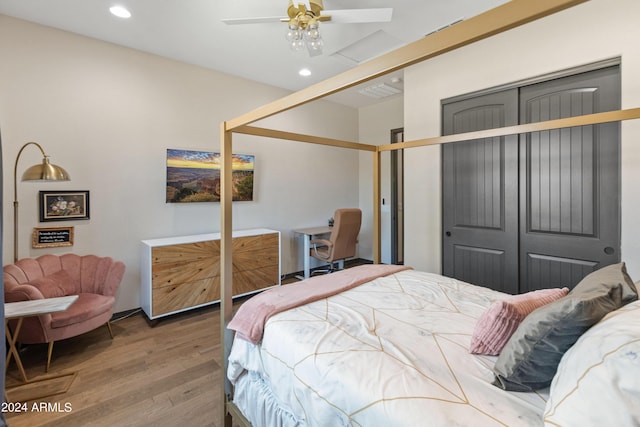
x=44, y=171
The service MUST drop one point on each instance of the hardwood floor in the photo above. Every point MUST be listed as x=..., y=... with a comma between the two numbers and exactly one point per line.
x=166, y=375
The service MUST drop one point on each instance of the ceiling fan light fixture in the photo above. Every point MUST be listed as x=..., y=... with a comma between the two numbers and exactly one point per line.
x=303, y=28
x=303, y=22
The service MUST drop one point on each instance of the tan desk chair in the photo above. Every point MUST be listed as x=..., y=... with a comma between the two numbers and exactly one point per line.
x=343, y=239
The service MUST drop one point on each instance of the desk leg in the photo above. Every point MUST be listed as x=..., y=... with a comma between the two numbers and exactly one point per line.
x=13, y=351
x=307, y=251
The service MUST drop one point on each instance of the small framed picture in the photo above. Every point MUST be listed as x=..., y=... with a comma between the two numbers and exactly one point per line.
x=52, y=237
x=64, y=205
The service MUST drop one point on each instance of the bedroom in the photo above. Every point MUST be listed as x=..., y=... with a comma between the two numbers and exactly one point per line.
x=259, y=369
x=105, y=125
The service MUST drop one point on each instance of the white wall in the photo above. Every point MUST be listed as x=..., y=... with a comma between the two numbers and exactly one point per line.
x=107, y=114
x=375, y=124
x=590, y=32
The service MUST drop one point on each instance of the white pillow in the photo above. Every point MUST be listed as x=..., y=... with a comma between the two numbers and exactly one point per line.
x=598, y=379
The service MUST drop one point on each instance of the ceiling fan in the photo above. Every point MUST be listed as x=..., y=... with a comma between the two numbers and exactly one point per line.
x=303, y=22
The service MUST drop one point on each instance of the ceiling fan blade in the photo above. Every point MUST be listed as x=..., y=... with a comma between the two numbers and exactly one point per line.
x=359, y=16
x=257, y=20
x=338, y=16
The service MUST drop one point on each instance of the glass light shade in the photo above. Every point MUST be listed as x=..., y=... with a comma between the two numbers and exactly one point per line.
x=293, y=35
x=45, y=172
x=315, y=44
x=297, y=45
x=311, y=34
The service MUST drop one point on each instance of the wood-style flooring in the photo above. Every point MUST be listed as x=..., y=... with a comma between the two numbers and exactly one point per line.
x=166, y=375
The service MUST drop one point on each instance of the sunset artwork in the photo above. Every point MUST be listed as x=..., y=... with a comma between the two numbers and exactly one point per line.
x=194, y=176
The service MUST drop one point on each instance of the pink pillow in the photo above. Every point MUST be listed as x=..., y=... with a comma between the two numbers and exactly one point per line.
x=499, y=322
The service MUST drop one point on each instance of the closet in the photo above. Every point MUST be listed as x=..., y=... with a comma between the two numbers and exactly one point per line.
x=539, y=210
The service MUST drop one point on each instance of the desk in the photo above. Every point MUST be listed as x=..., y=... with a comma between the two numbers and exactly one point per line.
x=308, y=235
x=20, y=310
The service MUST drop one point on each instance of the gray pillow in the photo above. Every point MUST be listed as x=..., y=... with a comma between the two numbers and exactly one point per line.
x=530, y=358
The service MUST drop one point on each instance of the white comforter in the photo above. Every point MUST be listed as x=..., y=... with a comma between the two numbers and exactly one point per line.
x=391, y=352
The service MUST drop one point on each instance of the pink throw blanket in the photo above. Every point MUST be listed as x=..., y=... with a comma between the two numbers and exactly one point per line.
x=251, y=317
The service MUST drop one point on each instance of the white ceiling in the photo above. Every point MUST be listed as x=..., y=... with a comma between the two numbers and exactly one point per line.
x=192, y=31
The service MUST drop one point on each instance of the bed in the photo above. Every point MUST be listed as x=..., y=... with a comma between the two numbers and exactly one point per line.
x=509, y=15
x=386, y=345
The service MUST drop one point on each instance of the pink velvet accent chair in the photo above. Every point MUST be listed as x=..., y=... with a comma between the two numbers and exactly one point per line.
x=94, y=279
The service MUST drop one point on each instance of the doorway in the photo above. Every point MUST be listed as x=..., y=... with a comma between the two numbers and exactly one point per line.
x=397, y=199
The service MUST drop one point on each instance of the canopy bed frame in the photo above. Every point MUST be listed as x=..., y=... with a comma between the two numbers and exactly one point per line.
x=510, y=15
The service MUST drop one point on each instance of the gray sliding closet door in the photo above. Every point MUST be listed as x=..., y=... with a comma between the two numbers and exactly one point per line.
x=538, y=210
x=480, y=194
x=569, y=182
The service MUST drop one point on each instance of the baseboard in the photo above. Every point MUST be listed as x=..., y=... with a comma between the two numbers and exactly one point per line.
x=124, y=314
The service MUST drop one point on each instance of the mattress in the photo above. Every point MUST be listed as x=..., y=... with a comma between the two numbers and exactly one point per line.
x=390, y=352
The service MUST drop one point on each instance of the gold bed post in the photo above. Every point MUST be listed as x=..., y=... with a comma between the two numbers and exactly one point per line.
x=226, y=302
x=377, y=244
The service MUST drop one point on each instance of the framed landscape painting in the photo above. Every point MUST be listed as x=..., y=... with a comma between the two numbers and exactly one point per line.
x=194, y=176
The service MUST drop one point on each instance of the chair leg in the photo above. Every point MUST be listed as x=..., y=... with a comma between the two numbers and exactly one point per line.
x=110, y=330
x=49, y=353
x=329, y=269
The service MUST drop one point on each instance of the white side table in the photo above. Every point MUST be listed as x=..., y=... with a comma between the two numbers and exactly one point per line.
x=20, y=310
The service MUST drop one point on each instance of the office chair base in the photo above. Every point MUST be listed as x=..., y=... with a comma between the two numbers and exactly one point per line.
x=329, y=270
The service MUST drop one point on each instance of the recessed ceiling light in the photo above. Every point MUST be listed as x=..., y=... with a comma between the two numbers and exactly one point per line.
x=120, y=11
x=305, y=72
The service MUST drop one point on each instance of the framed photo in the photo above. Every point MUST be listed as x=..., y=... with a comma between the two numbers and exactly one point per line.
x=52, y=237
x=194, y=176
x=64, y=205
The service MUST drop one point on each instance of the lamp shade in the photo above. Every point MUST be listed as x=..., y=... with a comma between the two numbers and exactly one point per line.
x=45, y=172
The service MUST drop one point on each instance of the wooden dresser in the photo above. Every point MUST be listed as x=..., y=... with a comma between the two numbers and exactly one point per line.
x=182, y=273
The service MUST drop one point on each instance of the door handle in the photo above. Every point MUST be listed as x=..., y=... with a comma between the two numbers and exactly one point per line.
x=447, y=233
x=609, y=250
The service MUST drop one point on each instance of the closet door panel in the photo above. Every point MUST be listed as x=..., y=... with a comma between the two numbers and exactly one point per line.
x=548, y=269
x=562, y=173
x=480, y=219
x=569, y=193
